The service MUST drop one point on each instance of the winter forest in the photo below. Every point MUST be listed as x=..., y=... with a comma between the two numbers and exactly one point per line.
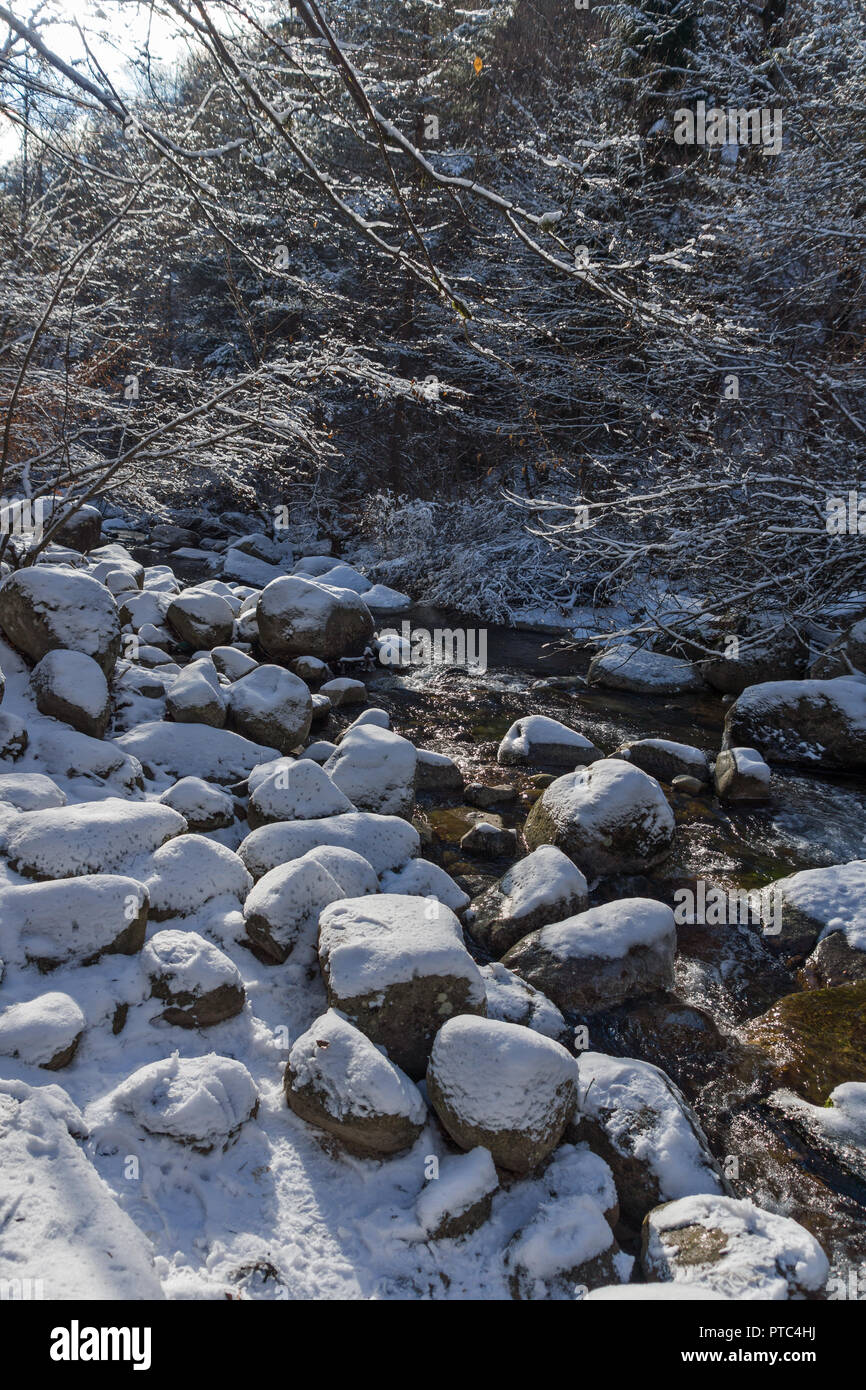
x=432, y=653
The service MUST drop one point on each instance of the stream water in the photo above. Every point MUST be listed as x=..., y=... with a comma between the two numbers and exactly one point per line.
x=725, y=975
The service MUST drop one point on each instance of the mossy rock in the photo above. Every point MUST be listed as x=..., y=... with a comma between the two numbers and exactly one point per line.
x=816, y=1040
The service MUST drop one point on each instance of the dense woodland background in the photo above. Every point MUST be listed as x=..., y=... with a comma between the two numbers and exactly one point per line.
x=331, y=261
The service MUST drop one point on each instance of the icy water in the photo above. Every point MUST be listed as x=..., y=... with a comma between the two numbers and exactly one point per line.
x=725, y=976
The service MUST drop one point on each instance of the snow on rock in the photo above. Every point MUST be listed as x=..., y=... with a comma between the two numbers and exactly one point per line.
x=201, y=618
x=812, y=723
x=840, y=1124
x=355, y=874
x=567, y=1245
x=195, y=979
x=65, y=753
x=70, y=686
x=203, y=806
x=30, y=791
x=634, y=1117
x=512, y=1000
x=232, y=663
x=297, y=791
x=75, y=920
x=311, y=670
x=281, y=913
x=379, y=717
x=43, y=1032
x=376, y=770
x=609, y=818
x=337, y=1080
x=342, y=576
x=43, y=608
x=544, y=887
x=386, y=841
x=537, y=739
x=436, y=772
x=458, y=1200
x=271, y=706
x=263, y=771
x=189, y=871
x=249, y=569
x=397, y=967
x=815, y=903
x=741, y=774
x=86, y=1249
x=200, y=1101
x=734, y=1247
x=384, y=602
x=663, y=759
x=193, y=750
x=344, y=691
x=144, y=607
x=196, y=696
x=501, y=1086
x=622, y=667
x=90, y=837
x=601, y=957
x=419, y=878
x=298, y=616
x=319, y=752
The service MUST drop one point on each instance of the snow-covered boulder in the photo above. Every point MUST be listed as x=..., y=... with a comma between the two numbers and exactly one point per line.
x=271, y=706
x=281, y=913
x=567, y=1244
x=320, y=751
x=501, y=1086
x=189, y=871
x=512, y=1000
x=86, y=1249
x=599, y=958
x=376, y=770
x=203, y=806
x=458, y=1200
x=232, y=663
x=813, y=723
x=765, y=647
x=199, y=1101
x=337, y=1080
x=609, y=818
x=30, y=791
x=198, y=983
x=300, y=791
x=89, y=838
x=43, y=1032
x=397, y=967
x=144, y=608
x=815, y=903
x=70, y=686
x=386, y=841
x=80, y=529
x=343, y=690
x=249, y=569
x=544, y=887
x=384, y=602
x=436, y=772
x=201, y=618
x=64, y=753
x=645, y=672
x=734, y=1247
x=311, y=670
x=76, y=920
x=635, y=1118
x=740, y=774
x=489, y=841
x=297, y=616
x=196, y=696
x=663, y=759
x=44, y=608
x=355, y=874
x=421, y=879
x=193, y=750
x=537, y=739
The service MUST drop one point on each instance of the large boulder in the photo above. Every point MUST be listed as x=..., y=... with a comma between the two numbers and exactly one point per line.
x=398, y=967
x=512, y=1000
x=635, y=1118
x=30, y=791
x=76, y=921
x=339, y=1081
x=189, y=871
x=271, y=706
x=734, y=1247
x=542, y=888
x=765, y=647
x=44, y=608
x=665, y=760
x=296, y=791
x=42, y=1032
x=502, y=1086
x=196, y=696
x=67, y=841
x=645, y=672
x=818, y=724
x=602, y=957
x=281, y=913
x=195, y=980
x=201, y=1102
x=298, y=617
x=80, y=529
x=567, y=1245
x=537, y=739
x=609, y=818
x=375, y=768
x=203, y=806
x=459, y=1197
x=387, y=842
x=740, y=774
x=201, y=618
x=72, y=687
x=814, y=1040
x=193, y=750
